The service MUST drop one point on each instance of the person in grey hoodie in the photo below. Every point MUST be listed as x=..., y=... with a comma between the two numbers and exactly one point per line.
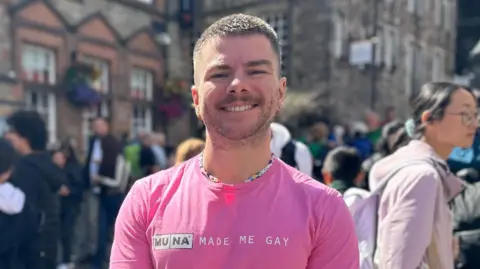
x=415, y=224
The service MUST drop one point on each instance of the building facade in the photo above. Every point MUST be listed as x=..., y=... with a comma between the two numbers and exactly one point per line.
x=328, y=48
x=467, y=64
x=38, y=42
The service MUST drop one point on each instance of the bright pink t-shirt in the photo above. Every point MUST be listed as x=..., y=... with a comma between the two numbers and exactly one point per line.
x=178, y=219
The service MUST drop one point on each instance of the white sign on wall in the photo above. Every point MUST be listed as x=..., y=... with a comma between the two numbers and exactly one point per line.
x=361, y=52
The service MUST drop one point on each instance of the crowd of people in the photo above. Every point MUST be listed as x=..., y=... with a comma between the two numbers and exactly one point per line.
x=57, y=209
x=377, y=193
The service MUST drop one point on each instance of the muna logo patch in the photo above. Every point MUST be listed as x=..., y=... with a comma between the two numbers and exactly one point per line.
x=172, y=241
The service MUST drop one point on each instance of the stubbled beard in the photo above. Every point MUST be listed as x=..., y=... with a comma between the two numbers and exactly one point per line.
x=221, y=134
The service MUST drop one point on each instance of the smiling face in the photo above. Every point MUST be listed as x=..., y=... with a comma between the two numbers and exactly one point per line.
x=238, y=90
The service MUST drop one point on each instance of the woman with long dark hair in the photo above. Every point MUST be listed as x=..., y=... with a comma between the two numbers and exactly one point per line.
x=415, y=225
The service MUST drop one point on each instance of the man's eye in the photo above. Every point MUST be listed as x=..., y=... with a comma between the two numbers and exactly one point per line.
x=256, y=72
x=221, y=75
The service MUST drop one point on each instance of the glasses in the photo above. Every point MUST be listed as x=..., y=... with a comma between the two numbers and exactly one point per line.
x=468, y=119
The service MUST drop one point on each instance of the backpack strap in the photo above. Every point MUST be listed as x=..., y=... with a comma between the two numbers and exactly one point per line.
x=288, y=154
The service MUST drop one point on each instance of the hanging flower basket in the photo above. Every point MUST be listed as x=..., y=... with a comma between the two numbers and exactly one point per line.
x=78, y=84
x=176, y=98
x=176, y=87
x=172, y=110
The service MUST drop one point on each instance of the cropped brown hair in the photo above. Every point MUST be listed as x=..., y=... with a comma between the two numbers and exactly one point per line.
x=237, y=25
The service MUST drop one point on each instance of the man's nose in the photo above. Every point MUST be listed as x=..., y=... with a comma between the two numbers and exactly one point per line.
x=238, y=84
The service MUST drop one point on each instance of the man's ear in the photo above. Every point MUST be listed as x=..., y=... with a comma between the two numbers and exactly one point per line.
x=196, y=98
x=194, y=91
x=425, y=117
x=282, y=91
x=327, y=177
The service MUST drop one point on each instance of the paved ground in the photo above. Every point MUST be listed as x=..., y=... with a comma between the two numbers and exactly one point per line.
x=86, y=230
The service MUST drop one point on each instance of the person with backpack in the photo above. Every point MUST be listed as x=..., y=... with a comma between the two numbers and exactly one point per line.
x=393, y=137
x=342, y=171
x=17, y=220
x=415, y=184
x=43, y=184
x=292, y=152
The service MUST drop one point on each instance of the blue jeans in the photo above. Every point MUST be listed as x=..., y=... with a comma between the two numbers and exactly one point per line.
x=109, y=205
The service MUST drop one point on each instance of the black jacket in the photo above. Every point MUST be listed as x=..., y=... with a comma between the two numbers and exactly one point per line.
x=466, y=224
x=73, y=171
x=111, y=149
x=16, y=229
x=40, y=180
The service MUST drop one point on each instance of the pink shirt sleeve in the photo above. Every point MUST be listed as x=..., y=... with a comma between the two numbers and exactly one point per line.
x=131, y=249
x=407, y=229
x=336, y=243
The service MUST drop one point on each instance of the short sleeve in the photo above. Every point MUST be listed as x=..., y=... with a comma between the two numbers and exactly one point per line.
x=336, y=243
x=131, y=249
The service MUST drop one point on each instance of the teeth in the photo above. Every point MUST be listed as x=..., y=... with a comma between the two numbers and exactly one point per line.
x=238, y=108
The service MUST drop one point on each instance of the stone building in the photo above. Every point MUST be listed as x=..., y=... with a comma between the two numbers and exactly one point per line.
x=123, y=39
x=467, y=64
x=328, y=48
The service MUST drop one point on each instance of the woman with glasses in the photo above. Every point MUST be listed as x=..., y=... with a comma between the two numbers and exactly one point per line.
x=467, y=158
x=414, y=224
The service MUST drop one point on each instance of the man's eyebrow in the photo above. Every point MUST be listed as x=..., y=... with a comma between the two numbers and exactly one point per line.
x=259, y=62
x=219, y=67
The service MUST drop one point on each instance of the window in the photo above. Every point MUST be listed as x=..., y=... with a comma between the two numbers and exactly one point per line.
x=438, y=65
x=38, y=64
x=339, y=36
x=141, y=84
x=102, y=84
x=141, y=119
x=448, y=19
x=409, y=67
x=141, y=87
x=45, y=105
x=88, y=115
x=390, y=47
x=438, y=12
x=279, y=23
x=379, y=46
x=417, y=7
x=146, y=1
x=420, y=75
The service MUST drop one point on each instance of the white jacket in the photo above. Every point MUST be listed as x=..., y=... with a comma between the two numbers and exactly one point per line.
x=280, y=137
x=12, y=199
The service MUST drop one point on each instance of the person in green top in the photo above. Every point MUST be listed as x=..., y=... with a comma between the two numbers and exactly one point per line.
x=319, y=145
x=132, y=155
x=374, y=125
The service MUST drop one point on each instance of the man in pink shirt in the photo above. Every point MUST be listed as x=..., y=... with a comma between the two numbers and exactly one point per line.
x=236, y=205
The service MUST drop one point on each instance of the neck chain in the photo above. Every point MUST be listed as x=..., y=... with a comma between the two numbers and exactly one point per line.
x=216, y=180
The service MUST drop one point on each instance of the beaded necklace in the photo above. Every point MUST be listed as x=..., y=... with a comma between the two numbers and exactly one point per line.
x=216, y=180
